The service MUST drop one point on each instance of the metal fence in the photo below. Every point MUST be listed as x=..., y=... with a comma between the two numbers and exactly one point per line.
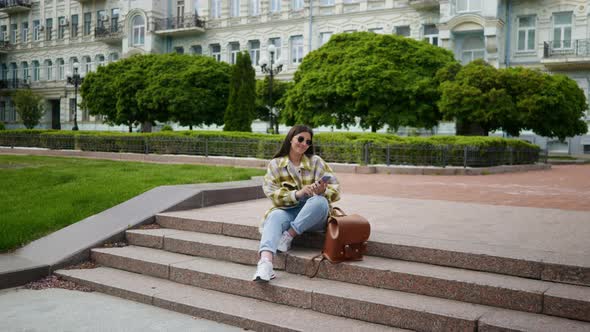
x=354, y=152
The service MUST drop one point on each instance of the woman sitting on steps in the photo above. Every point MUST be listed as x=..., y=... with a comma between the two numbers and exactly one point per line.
x=301, y=187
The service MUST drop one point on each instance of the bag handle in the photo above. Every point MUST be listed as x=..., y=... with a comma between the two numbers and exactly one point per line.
x=338, y=212
x=312, y=262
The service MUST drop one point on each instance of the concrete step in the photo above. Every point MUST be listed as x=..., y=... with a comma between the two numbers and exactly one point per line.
x=521, y=262
x=247, y=313
x=502, y=291
x=381, y=306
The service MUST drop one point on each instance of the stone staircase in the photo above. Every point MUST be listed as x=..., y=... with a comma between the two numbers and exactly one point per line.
x=204, y=268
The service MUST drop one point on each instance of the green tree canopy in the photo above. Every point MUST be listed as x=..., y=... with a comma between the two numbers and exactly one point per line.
x=191, y=90
x=379, y=79
x=241, y=106
x=481, y=98
x=29, y=107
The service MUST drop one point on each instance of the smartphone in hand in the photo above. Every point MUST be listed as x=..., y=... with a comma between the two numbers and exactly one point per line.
x=326, y=178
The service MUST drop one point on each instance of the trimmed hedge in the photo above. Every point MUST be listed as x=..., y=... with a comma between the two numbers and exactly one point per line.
x=360, y=148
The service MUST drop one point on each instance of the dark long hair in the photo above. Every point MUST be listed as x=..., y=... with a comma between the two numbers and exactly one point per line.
x=286, y=147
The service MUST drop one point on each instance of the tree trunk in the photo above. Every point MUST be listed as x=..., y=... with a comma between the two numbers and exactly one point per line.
x=190, y=127
x=466, y=128
x=146, y=127
x=130, y=128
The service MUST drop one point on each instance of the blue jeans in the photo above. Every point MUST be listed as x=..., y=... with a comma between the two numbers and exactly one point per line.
x=309, y=215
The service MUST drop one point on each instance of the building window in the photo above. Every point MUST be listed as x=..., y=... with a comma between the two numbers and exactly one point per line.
x=215, y=8
x=473, y=48
x=562, y=30
x=254, y=7
x=11, y=112
x=25, y=32
x=74, y=31
x=61, y=29
x=196, y=50
x=4, y=33
x=48, y=29
x=113, y=57
x=100, y=18
x=36, y=71
x=215, y=51
x=115, y=20
x=13, y=33
x=295, y=4
x=465, y=6
x=100, y=60
x=87, y=62
x=138, y=30
x=4, y=72
x=180, y=10
x=36, y=32
x=275, y=6
x=377, y=30
x=403, y=30
x=254, y=49
x=325, y=37
x=526, y=33
x=235, y=8
x=25, y=67
x=326, y=2
x=61, y=70
x=48, y=70
x=87, y=23
x=277, y=43
x=234, y=49
x=296, y=49
x=431, y=34
x=179, y=50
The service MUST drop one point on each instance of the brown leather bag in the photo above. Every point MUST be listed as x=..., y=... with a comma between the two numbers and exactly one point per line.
x=346, y=238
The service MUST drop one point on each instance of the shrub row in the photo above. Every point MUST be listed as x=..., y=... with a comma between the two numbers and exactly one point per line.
x=361, y=148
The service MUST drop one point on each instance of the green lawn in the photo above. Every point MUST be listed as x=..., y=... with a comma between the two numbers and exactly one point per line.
x=39, y=195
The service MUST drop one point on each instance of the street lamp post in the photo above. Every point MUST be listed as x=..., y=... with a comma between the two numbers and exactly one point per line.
x=75, y=79
x=267, y=67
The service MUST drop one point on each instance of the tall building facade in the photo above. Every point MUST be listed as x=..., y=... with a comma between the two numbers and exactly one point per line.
x=41, y=40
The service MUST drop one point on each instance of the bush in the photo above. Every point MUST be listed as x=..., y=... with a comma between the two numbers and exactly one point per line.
x=360, y=148
x=166, y=128
x=2, y=127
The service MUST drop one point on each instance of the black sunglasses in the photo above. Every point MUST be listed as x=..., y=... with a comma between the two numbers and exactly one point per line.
x=300, y=139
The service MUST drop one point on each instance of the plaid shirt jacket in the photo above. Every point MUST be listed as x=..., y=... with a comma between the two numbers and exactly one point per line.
x=283, y=179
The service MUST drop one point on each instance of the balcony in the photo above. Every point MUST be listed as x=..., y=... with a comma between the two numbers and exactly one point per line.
x=5, y=47
x=110, y=34
x=180, y=25
x=566, y=54
x=14, y=84
x=424, y=4
x=15, y=6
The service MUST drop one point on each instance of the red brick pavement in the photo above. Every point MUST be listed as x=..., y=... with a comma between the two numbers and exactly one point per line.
x=563, y=187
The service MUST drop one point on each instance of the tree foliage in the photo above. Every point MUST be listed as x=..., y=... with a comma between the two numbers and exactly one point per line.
x=482, y=98
x=29, y=107
x=379, y=79
x=241, y=106
x=191, y=90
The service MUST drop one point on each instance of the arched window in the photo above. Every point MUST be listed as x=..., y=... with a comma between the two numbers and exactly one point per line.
x=49, y=70
x=70, y=70
x=61, y=69
x=36, y=71
x=138, y=30
x=13, y=72
x=4, y=72
x=113, y=57
x=100, y=60
x=25, y=67
x=87, y=64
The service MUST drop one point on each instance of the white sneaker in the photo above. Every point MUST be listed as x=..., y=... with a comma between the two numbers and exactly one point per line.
x=285, y=242
x=264, y=271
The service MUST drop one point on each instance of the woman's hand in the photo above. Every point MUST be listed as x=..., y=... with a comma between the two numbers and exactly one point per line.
x=319, y=187
x=305, y=191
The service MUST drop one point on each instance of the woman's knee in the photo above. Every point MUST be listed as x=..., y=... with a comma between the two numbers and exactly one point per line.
x=319, y=202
